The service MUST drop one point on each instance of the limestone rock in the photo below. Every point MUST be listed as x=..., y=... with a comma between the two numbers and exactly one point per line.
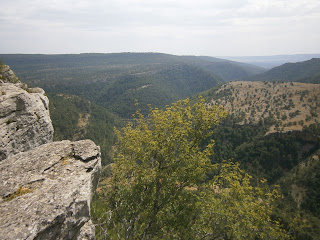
x=24, y=119
x=45, y=193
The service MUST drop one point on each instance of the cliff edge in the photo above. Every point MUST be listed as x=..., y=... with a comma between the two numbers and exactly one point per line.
x=45, y=187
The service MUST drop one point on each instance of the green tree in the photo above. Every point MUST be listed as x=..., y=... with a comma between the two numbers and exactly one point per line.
x=230, y=208
x=158, y=188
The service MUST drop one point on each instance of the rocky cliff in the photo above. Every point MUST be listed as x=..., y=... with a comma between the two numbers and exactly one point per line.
x=24, y=116
x=45, y=187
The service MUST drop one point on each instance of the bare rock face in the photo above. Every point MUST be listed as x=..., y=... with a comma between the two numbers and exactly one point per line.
x=45, y=193
x=24, y=119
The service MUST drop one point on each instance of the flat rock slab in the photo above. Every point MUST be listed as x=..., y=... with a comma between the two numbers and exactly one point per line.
x=45, y=193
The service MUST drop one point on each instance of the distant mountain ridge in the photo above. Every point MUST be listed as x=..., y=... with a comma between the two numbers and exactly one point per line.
x=307, y=71
x=269, y=62
x=132, y=61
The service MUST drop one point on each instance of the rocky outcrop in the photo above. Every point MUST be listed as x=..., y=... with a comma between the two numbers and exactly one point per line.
x=7, y=75
x=46, y=192
x=24, y=119
x=45, y=187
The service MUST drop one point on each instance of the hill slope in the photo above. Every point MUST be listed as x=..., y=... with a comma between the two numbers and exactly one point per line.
x=284, y=106
x=273, y=132
x=226, y=69
x=291, y=72
x=301, y=193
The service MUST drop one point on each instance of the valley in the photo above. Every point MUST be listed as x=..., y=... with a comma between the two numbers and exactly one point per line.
x=115, y=81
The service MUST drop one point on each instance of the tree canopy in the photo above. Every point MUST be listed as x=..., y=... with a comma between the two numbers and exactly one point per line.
x=159, y=190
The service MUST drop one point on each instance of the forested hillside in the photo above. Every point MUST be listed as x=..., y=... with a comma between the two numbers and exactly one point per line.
x=115, y=81
x=157, y=89
x=307, y=71
x=227, y=70
x=300, y=207
x=273, y=132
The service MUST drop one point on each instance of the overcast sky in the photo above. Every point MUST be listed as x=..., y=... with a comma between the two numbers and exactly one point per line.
x=182, y=27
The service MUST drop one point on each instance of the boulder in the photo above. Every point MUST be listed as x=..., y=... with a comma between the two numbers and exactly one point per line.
x=45, y=193
x=24, y=119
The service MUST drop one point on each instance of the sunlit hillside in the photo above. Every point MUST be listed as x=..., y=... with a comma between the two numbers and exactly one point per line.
x=287, y=106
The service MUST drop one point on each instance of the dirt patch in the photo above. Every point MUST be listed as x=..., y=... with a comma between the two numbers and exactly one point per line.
x=83, y=120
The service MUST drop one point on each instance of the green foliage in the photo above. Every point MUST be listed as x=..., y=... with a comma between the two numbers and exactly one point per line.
x=313, y=130
x=64, y=117
x=237, y=210
x=299, y=210
x=276, y=157
x=269, y=157
x=311, y=179
x=157, y=190
x=262, y=156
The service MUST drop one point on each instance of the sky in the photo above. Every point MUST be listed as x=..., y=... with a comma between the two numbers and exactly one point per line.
x=181, y=27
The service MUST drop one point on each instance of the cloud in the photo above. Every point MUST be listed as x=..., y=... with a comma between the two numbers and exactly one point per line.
x=164, y=24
